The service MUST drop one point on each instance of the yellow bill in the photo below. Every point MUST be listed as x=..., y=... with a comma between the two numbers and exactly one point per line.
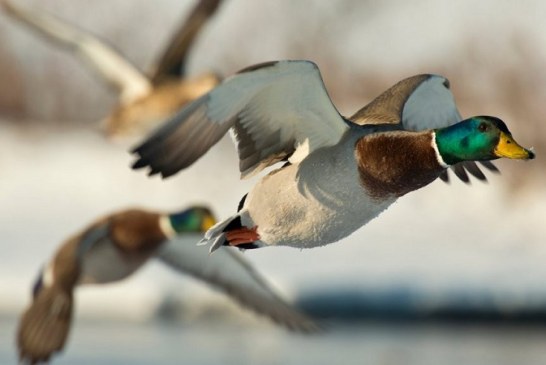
x=509, y=148
x=208, y=222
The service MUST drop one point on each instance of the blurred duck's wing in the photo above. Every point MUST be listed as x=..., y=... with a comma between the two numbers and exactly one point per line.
x=109, y=64
x=418, y=103
x=173, y=61
x=278, y=110
x=230, y=273
x=45, y=324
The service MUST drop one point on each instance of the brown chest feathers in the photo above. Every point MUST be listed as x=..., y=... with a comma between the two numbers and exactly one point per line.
x=136, y=231
x=395, y=163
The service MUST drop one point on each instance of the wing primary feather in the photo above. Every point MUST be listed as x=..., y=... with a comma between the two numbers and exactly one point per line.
x=173, y=61
x=490, y=166
x=181, y=141
x=184, y=154
x=388, y=107
x=169, y=127
x=459, y=170
x=474, y=170
x=139, y=164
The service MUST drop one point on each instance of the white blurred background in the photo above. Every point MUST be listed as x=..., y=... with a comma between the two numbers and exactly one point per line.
x=444, y=242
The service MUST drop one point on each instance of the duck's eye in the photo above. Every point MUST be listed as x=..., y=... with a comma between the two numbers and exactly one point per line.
x=483, y=127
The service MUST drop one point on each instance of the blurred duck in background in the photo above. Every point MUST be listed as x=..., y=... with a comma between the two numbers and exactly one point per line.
x=144, y=100
x=339, y=173
x=114, y=247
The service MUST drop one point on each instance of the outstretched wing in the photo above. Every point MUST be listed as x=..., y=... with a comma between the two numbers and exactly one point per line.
x=229, y=272
x=278, y=110
x=173, y=60
x=418, y=103
x=117, y=71
x=45, y=324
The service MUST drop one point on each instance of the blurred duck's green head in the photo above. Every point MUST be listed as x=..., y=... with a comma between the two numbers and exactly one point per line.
x=195, y=219
x=479, y=139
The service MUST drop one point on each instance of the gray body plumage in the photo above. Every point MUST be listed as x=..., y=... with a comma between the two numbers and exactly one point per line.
x=325, y=204
x=104, y=263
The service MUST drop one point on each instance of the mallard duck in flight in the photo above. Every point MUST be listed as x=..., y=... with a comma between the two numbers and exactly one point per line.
x=114, y=247
x=144, y=101
x=340, y=173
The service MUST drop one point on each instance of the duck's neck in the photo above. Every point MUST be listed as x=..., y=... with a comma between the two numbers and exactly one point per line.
x=166, y=226
x=398, y=162
x=441, y=160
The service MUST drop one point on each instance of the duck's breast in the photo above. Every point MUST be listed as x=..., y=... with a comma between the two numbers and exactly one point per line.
x=319, y=201
x=104, y=263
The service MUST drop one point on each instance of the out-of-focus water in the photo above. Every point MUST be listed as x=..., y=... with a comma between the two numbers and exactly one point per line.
x=124, y=343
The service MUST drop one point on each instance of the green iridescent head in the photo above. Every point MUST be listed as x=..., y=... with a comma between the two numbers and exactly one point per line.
x=195, y=219
x=479, y=139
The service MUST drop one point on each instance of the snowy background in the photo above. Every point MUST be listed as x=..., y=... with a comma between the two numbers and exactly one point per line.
x=58, y=173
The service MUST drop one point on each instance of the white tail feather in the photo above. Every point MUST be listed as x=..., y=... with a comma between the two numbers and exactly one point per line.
x=215, y=235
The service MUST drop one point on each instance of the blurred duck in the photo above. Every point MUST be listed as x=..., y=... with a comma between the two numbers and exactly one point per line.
x=340, y=173
x=114, y=247
x=144, y=101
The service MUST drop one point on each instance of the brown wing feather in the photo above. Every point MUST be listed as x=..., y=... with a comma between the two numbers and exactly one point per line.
x=172, y=62
x=45, y=325
x=388, y=107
